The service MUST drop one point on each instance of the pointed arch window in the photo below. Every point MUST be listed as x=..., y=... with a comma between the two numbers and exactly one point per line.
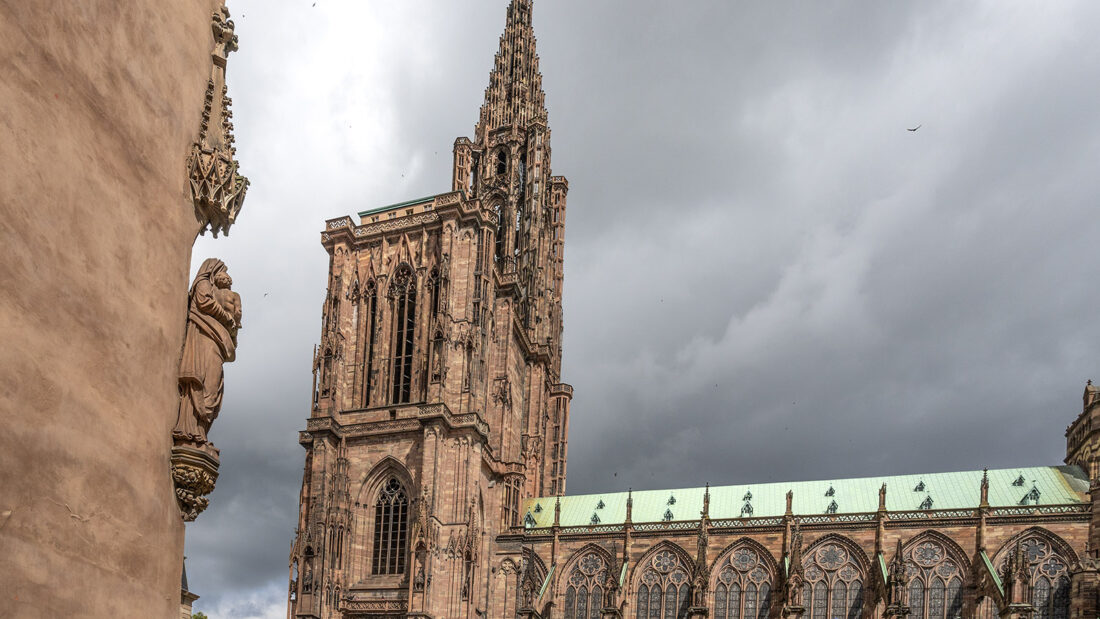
x=1049, y=577
x=403, y=291
x=935, y=582
x=664, y=592
x=584, y=595
x=743, y=590
x=370, y=306
x=834, y=584
x=391, y=521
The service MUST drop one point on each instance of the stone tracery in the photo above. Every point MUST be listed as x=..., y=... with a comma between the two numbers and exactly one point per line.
x=743, y=585
x=935, y=580
x=663, y=590
x=834, y=582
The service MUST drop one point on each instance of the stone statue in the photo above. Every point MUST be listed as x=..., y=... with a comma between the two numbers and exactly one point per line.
x=213, y=318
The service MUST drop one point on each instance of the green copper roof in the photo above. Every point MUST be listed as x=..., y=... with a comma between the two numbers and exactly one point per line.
x=993, y=572
x=382, y=209
x=1055, y=485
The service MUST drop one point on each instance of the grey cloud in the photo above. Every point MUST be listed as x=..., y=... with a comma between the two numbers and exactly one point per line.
x=767, y=277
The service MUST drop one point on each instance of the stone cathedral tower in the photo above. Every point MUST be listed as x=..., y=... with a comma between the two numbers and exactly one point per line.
x=438, y=404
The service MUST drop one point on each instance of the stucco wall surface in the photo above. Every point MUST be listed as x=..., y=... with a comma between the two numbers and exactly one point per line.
x=99, y=101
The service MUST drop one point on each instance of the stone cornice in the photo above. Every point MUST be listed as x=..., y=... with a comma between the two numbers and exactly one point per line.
x=451, y=205
x=412, y=419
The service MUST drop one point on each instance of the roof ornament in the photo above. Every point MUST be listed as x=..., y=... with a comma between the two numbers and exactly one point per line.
x=595, y=519
x=920, y=486
x=831, y=509
x=790, y=502
x=984, y=489
x=1032, y=496
x=747, y=497
x=668, y=515
x=1019, y=481
x=671, y=499
x=529, y=521
x=600, y=505
x=830, y=491
x=706, y=503
x=538, y=508
x=882, y=498
x=746, y=510
x=927, y=503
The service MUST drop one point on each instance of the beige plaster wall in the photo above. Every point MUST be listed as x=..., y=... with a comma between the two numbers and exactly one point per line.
x=99, y=101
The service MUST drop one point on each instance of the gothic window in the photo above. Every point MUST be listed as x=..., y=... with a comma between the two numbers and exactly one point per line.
x=664, y=592
x=743, y=590
x=510, y=509
x=935, y=582
x=391, y=520
x=584, y=595
x=834, y=584
x=1049, y=578
x=370, y=302
x=403, y=291
x=502, y=163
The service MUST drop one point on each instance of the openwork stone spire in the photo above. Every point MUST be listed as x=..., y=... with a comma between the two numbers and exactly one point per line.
x=514, y=96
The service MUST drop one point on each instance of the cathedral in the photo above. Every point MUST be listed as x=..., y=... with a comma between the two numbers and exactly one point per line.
x=437, y=442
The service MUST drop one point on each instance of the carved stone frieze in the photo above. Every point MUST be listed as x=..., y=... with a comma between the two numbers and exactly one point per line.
x=217, y=189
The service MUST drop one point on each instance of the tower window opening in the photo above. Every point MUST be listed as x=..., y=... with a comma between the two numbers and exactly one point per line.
x=371, y=299
x=404, y=292
x=391, y=519
x=502, y=163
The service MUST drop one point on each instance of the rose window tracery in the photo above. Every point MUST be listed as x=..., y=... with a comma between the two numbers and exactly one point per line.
x=834, y=584
x=935, y=582
x=1049, y=578
x=584, y=595
x=664, y=592
x=743, y=590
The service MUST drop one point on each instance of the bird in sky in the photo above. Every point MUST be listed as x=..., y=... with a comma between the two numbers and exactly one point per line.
x=914, y=128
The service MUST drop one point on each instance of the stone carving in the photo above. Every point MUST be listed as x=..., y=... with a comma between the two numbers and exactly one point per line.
x=213, y=318
x=217, y=190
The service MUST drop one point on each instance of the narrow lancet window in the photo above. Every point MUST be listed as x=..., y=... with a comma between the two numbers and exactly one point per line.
x=403, y=291
x=370, y=305
x=391, y=519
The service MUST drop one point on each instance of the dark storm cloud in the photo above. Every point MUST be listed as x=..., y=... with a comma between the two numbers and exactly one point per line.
x=767, y=277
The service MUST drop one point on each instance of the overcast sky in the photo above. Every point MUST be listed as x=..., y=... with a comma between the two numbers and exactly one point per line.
x=767, y=277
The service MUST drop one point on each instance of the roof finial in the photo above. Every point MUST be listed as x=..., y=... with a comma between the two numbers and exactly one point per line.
x=985, y=489
x=790, y=502
x=629, y=504
x=706, y=503
x=882, y=498
x=557, y=511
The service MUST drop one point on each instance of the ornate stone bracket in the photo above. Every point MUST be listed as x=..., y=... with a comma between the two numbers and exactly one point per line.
x=194, y=472
x=217, y=189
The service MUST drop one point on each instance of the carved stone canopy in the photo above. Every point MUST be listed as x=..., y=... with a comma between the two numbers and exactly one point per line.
x=217, y=189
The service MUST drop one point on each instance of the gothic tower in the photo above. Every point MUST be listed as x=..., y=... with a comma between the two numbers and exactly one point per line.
x=438, y=404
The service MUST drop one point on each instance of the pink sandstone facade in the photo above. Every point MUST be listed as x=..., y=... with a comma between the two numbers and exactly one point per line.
x=435, y=468
x=102, y=104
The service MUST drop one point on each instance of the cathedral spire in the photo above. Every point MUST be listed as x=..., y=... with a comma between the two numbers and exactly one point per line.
x=514, y=96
